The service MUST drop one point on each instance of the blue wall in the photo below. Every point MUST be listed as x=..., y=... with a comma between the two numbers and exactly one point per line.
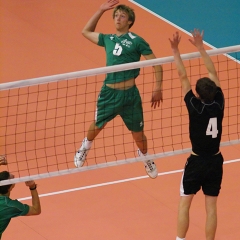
x=220, y=19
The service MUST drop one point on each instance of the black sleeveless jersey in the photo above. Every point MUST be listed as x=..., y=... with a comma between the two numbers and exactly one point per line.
x=205, y=123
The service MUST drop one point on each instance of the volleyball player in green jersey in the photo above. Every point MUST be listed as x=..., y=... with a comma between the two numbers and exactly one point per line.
x=10, y=208
x=119, y=94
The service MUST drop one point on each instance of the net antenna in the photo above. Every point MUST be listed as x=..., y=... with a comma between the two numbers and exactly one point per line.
x=43, y=120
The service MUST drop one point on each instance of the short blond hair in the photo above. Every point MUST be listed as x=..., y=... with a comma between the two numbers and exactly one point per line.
x=129, y=11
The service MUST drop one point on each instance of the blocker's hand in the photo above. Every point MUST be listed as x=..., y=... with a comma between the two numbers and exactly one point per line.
x=197, y=39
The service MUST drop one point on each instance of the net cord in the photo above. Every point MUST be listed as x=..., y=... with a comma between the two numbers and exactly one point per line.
x=104, y=165
x=115, y=68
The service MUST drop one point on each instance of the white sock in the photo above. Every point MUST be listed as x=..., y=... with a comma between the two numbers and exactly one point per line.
x=88, y=143
x=178, y=238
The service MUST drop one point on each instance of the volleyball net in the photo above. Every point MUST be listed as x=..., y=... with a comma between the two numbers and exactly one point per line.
x=44, y=120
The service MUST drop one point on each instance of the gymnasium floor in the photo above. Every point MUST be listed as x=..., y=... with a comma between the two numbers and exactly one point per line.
x=41, y=38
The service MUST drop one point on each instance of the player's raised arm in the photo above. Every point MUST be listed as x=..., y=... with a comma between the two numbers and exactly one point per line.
x=89, y=29
x=179, y=63
x=198, y=42
x=35, y=209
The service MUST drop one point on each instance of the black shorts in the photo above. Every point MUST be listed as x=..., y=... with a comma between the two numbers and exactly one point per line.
x=202, y=172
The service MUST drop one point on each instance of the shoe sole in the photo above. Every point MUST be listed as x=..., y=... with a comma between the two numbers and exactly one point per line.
x=151, y=176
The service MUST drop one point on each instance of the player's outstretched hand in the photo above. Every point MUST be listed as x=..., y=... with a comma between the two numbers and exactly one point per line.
x=109, y=5
x=175, y=41
x=156, y=98
x=197, y=38
x=3, y=160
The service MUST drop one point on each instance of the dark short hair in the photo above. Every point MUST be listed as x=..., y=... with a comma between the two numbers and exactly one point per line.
x=4, y=176
x=129, y=11
x=206, y=89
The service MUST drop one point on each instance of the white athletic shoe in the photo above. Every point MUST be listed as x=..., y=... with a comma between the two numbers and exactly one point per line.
x=150, y=166
x=81, y=154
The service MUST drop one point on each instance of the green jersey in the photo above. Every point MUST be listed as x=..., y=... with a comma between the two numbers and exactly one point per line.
x=8, y=209
x=122, y=49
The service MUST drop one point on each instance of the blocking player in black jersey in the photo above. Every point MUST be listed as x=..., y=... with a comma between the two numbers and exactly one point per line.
x=204, y=167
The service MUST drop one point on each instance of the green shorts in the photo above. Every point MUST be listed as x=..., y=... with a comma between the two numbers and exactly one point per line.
x=126, y=103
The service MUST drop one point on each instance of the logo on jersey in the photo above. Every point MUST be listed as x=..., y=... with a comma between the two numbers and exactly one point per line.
x=141, y=124
x=126, y=43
